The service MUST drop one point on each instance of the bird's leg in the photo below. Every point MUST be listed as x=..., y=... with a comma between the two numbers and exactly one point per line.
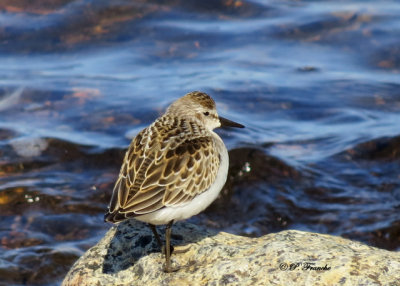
x=154, y=230
x=159, y=242
x=168, y=248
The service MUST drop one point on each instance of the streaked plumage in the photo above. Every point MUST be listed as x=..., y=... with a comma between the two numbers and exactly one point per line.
x=174, y=168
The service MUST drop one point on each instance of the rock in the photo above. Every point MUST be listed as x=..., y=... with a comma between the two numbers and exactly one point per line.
x=129, y=255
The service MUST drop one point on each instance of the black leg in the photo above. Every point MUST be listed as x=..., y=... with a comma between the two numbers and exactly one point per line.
x=168, y=247
x=154, y=230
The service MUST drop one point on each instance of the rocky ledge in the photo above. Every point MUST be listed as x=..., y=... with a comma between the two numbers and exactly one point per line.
x=129, y=255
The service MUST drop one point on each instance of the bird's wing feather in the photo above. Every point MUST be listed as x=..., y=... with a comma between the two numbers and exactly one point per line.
x=169, y=173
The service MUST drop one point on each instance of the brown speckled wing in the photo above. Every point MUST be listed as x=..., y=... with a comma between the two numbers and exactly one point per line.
x=163, y=168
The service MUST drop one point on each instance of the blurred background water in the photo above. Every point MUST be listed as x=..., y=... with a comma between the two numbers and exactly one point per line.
x=315, y=82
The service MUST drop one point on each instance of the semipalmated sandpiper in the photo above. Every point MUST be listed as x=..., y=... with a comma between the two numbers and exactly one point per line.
x=174, y=168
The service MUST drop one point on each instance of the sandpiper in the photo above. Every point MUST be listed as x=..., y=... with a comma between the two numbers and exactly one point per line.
x=174, y=168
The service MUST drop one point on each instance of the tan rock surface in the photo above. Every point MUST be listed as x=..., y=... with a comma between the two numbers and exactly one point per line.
x=128, y=255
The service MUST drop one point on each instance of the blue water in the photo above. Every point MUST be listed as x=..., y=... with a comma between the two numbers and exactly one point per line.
x=315, y=82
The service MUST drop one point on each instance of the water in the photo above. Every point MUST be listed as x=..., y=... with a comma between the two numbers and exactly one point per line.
x=315, y=82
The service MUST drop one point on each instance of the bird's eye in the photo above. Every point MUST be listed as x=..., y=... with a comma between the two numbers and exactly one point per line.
x=206, y=113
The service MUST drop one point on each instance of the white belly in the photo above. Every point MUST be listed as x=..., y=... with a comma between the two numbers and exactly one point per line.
x=199, y=203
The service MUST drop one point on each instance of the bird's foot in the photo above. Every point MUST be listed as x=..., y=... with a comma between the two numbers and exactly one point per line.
x=170, y=269
x=182, y=249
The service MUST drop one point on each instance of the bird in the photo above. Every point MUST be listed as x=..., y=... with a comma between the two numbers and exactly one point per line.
x=173, y=169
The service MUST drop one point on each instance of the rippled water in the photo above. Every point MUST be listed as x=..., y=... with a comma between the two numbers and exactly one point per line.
x=315, y=82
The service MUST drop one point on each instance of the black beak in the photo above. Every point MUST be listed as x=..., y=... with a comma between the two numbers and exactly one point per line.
x=229, y=123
